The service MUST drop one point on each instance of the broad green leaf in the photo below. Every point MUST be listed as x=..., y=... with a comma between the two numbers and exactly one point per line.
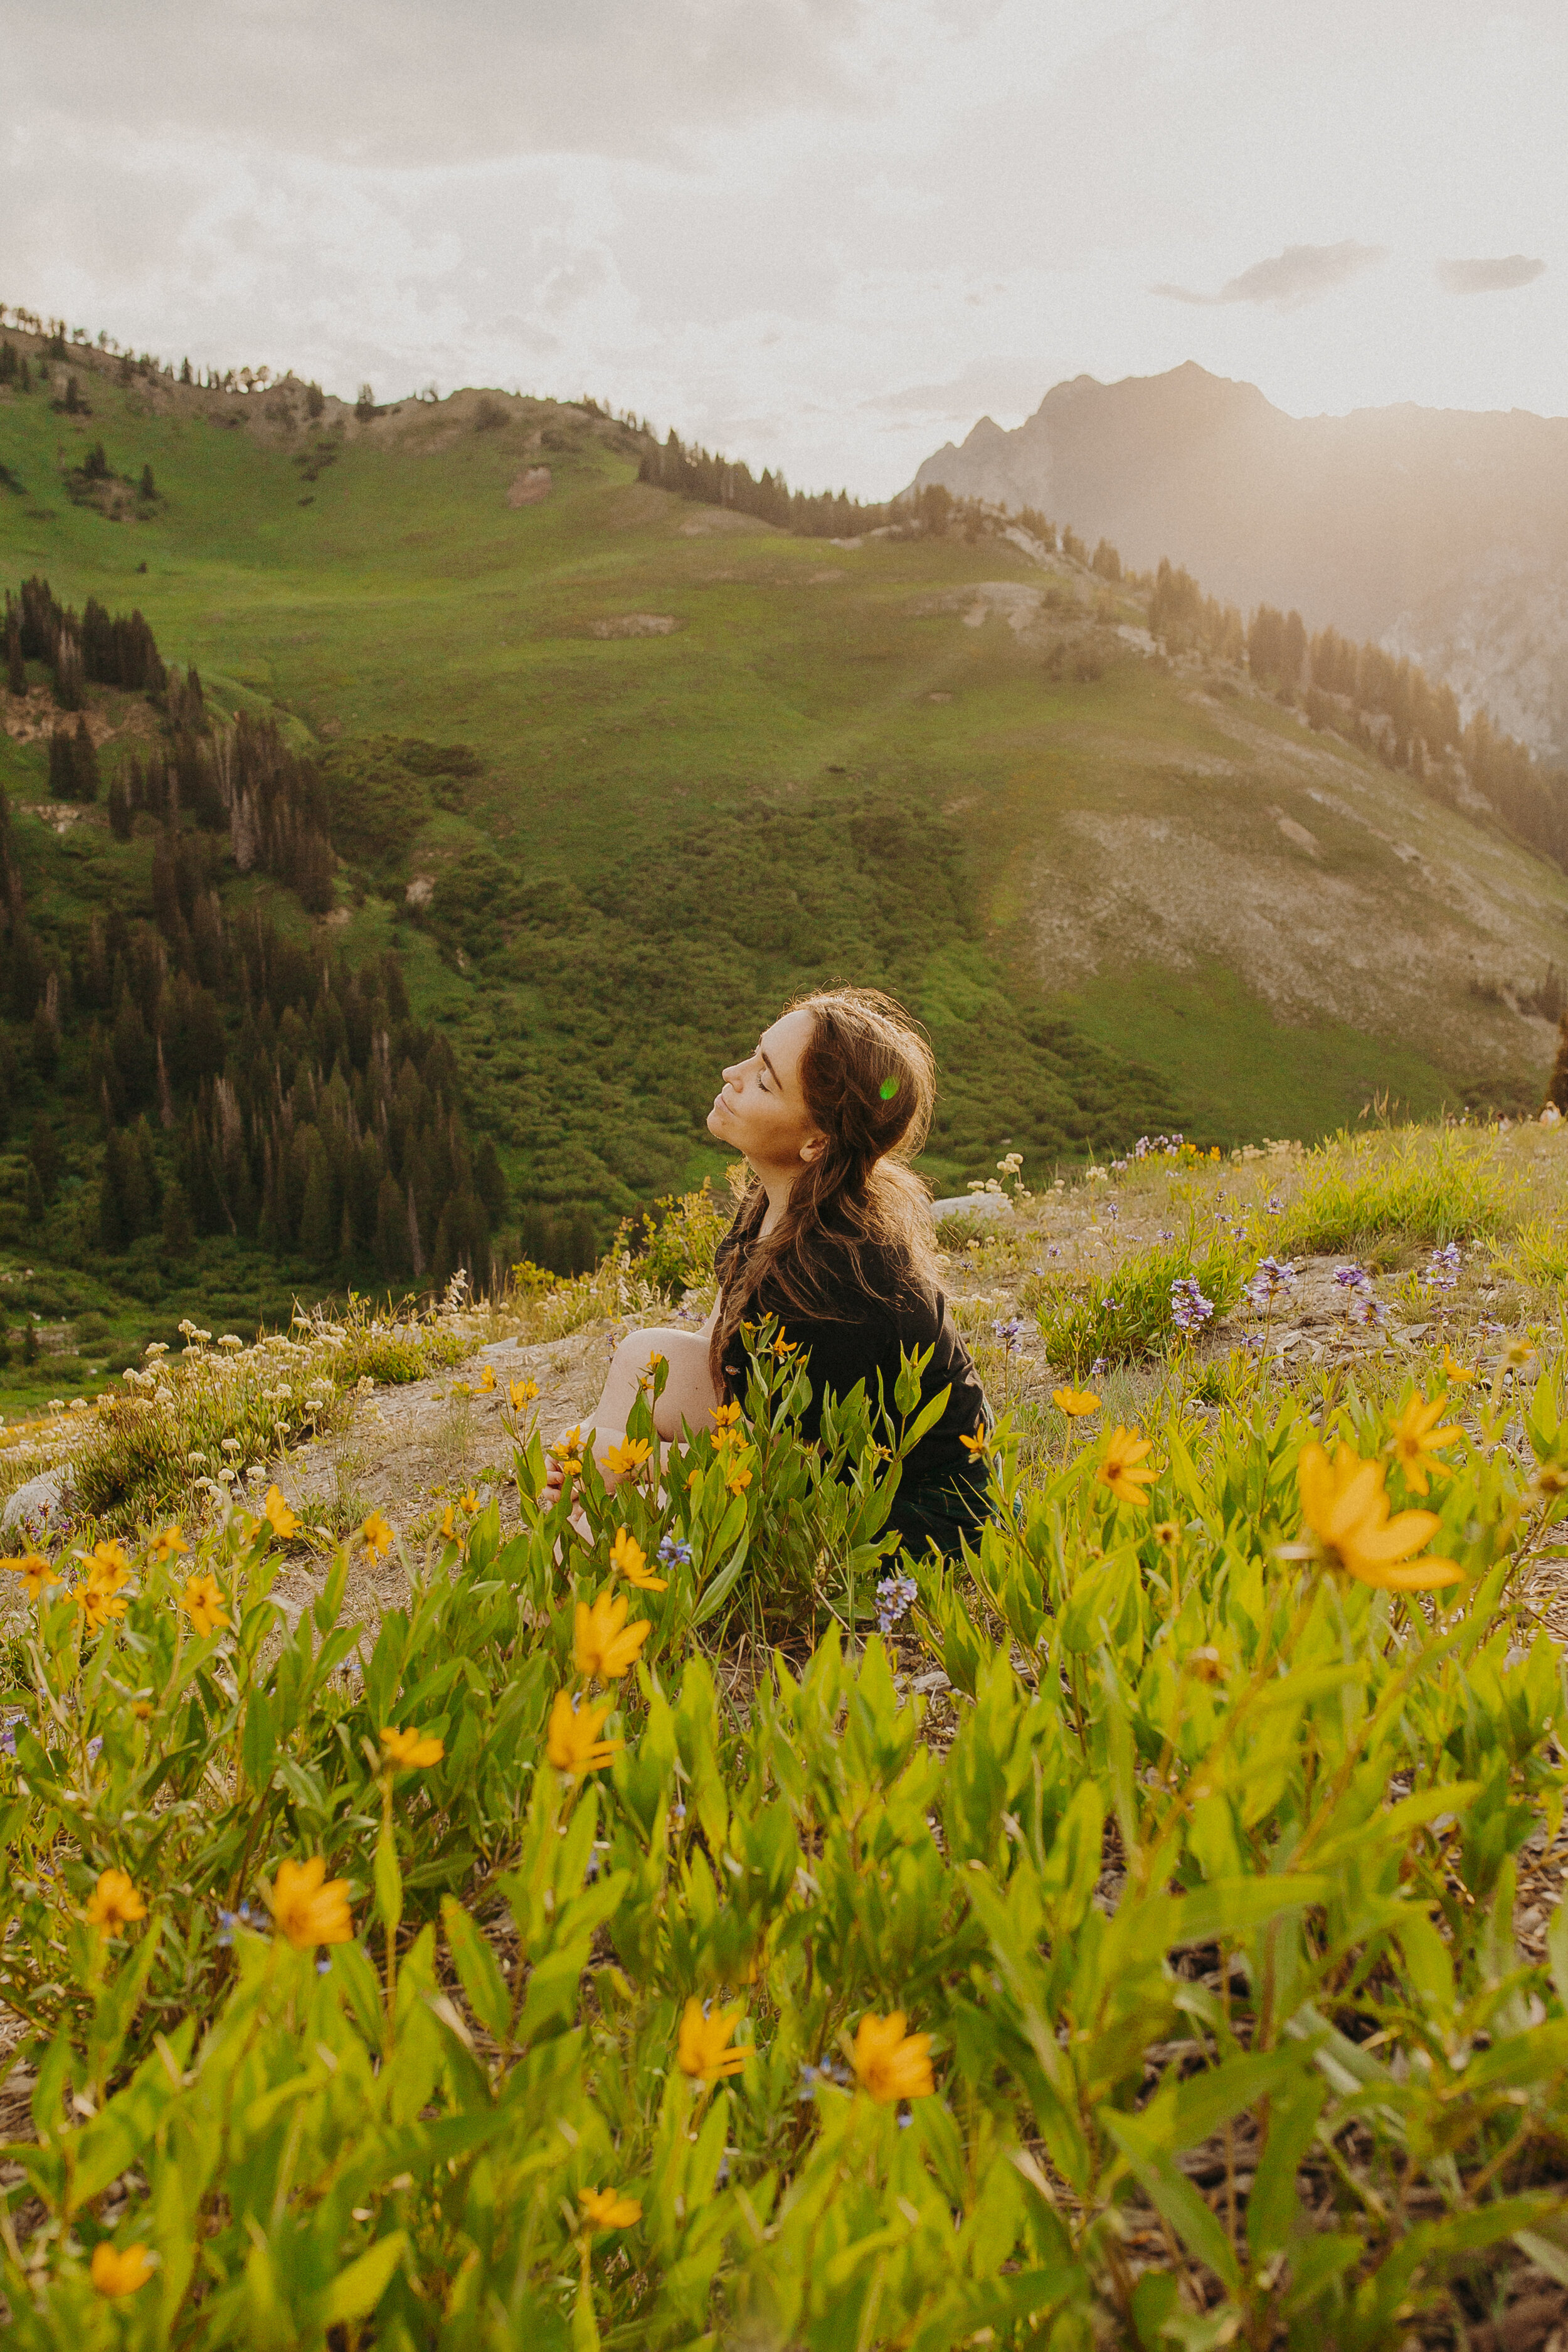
x=356, y=2291
x=476, y=1964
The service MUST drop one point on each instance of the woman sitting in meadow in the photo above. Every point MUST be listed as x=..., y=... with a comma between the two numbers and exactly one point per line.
x=833, y=1239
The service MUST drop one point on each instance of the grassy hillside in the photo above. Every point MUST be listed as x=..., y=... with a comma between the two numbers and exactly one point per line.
x=712, y=762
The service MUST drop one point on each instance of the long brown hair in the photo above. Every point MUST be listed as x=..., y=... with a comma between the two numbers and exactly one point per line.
x=869, y=1083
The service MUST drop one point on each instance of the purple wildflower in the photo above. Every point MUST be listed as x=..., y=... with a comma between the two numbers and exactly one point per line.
x=1444, y=1266
x=1273, y=1276
x=1190, y=1310
x=895, y=1595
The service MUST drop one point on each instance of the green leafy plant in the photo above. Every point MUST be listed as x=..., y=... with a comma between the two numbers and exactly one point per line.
x=516, y=1967
x=1377, y=1194
x=1121, y=1318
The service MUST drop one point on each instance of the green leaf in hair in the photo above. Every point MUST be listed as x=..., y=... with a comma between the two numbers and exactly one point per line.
x=889, y=1087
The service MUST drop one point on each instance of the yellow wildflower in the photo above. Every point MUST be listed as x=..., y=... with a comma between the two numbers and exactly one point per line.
x=98, y=1606
x=376, y=1535
x=523, y=1393
x=783, y=1347
x=282, y=1521
x=568, y=1452
x=628, y=1559
x=703, y=2044
x=738, y=1480
x=167, y=1544
x=625, y=1460
x=1075, y=1403
x=606, y=2209
x=603, y=1643
x=308, y=1906
x=35, y=1572
x=1122, y=1468
x=486, y=1381
x=202, y=1602
x=572, y=1743
x=121, y=2270
x=1413, y=1441
x=725, y=1416
x=979, y=1444
x=108, y=1568
x=1460, y=1375
x=113, y=1903
x=890, y=2064
x=469, y=1501
x=410, y=1752
x=1343, y=1504
x=1166, y=1534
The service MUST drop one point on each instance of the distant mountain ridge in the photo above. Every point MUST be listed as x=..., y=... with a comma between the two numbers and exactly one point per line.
x=1442, y=533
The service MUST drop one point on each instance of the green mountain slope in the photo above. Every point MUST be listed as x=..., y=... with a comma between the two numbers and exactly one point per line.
x=713, y=762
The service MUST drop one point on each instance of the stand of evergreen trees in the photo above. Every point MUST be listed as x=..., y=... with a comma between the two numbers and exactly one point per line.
x=95, y=649
x=696, y=473
x=244, y=780
x=301, y=1105
x=1385, y=703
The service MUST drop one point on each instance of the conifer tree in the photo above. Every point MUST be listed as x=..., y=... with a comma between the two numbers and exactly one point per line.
x=318, y=1231
x=112, y=1232
x=1557, y=1085
x=179, y=1228
x=122, y=817
x=390, y=1230
x=490, y=1181
x=46, y=1042
x=147, y=1190
x=29, y=1343
x=35, y=1203
x=84, y=763
x=62, y=766
x=147, y=489
x=44, y=1156
x=16, y=668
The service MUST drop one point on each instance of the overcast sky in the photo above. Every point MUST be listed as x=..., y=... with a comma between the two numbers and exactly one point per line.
x=824, y=234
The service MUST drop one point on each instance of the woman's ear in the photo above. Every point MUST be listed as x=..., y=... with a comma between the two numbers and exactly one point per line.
x=813, y=1149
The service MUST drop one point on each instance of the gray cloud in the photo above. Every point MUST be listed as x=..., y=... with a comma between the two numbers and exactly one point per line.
x=1499, y=276
x=1301, y=273
x=400, y=85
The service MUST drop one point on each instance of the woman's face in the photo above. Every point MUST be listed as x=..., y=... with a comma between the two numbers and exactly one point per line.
x=760, y=1111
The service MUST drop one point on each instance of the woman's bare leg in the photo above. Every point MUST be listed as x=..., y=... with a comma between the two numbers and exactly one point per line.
x=687, y=1399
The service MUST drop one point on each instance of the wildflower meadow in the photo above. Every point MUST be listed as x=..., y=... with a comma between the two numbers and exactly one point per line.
x=687, y=1920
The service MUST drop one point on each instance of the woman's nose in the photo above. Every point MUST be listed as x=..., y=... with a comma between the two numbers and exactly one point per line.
x=736, y=1070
